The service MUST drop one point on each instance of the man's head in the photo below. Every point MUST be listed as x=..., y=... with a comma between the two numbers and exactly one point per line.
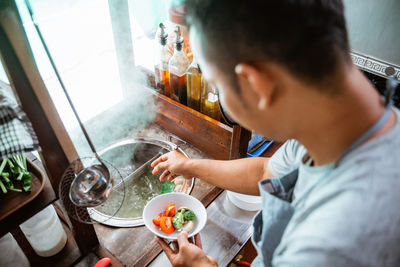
x=254, y=50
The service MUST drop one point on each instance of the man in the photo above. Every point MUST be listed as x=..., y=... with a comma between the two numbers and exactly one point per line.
x=283, y=70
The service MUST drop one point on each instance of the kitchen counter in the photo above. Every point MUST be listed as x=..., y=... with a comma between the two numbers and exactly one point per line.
x=136, y=246
x=227, y=230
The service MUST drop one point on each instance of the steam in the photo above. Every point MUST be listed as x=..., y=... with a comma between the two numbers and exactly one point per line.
x=125, y=119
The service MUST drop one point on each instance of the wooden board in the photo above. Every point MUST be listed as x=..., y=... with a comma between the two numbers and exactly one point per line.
x=205, y=133
x=43, y=199
x=13, y=201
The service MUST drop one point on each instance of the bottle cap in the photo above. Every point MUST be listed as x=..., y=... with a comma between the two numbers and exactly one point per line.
x=163, y=35
x=178, y=39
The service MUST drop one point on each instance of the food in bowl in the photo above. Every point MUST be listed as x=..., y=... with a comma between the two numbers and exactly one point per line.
x=182, y=201
x=169, y=221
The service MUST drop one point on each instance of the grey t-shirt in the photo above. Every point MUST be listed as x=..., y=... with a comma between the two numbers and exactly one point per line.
x=352, y=216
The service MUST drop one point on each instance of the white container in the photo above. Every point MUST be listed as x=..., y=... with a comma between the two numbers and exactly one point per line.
x=45, y=233
x=11, y=254
x=245, y=202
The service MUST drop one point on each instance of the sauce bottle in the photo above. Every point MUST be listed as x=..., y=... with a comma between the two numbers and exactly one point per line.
x=177, y=70
x=193, y=75
x=162, y=58
x=209, y=101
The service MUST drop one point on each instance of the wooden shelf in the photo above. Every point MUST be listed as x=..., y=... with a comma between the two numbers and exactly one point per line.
x=44, y=198
x=207, y=134
x=215, y=138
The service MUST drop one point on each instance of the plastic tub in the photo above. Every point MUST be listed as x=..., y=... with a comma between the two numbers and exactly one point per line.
x=11, y=253
x=45, y=232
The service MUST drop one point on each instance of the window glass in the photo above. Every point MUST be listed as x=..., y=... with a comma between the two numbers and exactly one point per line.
x=102, y=50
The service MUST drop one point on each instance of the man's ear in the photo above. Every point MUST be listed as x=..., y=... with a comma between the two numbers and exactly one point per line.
x=259, y=81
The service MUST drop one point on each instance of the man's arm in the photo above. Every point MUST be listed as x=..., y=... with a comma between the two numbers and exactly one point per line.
x=241, y=175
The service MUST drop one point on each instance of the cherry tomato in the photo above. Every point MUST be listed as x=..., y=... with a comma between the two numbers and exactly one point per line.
x=156, y=221
x=170, y=210
x=166, y=225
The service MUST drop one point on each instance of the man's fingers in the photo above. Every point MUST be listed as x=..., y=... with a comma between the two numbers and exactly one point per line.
x=197, y=241
x=183, y=239
x=158, y=160
x=164, y=175
x=168, y=251
x=159, y=167
x=172, y=177
x=212, y=260
x=176, y=247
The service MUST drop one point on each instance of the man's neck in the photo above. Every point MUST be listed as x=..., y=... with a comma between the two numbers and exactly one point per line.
x=336, y=121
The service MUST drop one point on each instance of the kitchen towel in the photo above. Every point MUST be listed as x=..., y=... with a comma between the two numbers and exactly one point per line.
x=16, y=132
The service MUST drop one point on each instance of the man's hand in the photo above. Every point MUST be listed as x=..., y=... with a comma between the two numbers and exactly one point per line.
x=241, y=175
x=186, y=253
x=173, y=163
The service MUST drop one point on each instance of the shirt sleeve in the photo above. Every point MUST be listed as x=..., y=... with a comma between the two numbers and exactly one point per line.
x=286, y=158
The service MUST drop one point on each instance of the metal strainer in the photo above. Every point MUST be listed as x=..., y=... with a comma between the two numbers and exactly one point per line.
x=83, y=213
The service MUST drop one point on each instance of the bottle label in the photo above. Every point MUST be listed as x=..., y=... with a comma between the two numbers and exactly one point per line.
x=212, y=97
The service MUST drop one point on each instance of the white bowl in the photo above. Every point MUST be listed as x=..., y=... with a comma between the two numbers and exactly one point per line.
x=245, y=202
x=159, y=203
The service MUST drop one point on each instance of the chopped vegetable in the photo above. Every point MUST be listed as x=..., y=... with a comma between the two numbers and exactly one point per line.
x=166, y=225
x=3, y=165
x=188, y=226
x=156, y=221
x=3, y=188
x=178, y=220
x=173, y=220
x=167, y=187
x=14, y=170
x=170, y=210
x=188, y=215
x=183, y=216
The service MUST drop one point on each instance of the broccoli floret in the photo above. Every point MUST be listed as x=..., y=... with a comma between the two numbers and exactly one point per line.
x=189, y=215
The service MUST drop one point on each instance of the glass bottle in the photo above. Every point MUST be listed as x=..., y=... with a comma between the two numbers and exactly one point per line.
x=209, y=100
x=177, y=70
x=162, y=58
x=193, y=76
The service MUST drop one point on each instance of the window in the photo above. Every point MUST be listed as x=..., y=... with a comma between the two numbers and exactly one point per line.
x=3, y=75
x=98, y=46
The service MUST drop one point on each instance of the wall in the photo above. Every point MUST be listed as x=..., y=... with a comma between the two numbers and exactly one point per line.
x=374, y=28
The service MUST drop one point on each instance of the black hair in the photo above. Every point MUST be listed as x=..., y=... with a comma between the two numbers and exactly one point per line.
x=307, y=37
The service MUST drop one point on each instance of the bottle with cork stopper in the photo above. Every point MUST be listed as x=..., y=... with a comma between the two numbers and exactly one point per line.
x=177, y=70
